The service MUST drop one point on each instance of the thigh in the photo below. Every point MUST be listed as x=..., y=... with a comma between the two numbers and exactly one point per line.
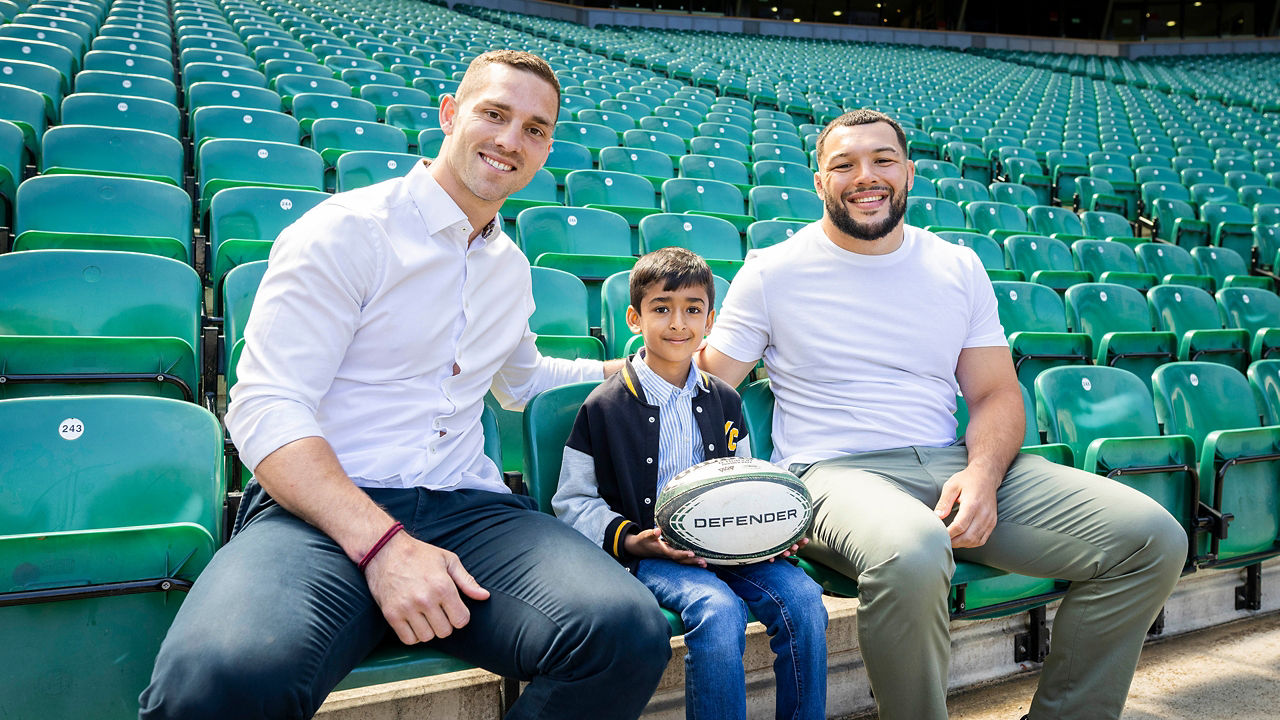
x=1061, y=522
x=281, y=606
x=776, y=590
x=550, y=587
x=681, y=588
x=863, y=517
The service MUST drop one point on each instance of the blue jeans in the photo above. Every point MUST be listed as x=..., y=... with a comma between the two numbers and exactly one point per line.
x=713, y=603
x=281, y=614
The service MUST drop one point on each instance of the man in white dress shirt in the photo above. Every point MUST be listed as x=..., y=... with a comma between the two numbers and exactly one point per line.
x=385, y=316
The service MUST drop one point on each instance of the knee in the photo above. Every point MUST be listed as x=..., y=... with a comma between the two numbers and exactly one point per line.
x=716, y=625
x=630, y=625
x=808, y=611
x=918, y=567
x=1164, y=540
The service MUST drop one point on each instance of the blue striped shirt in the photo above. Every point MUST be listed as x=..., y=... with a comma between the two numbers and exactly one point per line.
x=679, y=439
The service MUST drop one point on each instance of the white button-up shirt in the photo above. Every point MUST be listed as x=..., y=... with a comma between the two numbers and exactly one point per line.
x=369, y=302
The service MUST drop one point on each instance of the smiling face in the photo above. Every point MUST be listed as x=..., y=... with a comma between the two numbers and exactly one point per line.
x=497, y=136
x=863, y=178
x=673, y=323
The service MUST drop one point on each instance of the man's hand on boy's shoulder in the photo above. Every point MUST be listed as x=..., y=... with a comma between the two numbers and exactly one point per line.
x=649, y=543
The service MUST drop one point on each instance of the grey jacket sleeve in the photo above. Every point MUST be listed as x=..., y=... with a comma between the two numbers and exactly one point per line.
x=577, y=500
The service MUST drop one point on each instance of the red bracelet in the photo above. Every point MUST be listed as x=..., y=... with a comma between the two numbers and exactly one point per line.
x=386, y=538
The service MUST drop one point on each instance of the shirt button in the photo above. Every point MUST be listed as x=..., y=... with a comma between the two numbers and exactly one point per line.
x=433, y=451
x=647, y=460
x=711, y=447
x=647, y=501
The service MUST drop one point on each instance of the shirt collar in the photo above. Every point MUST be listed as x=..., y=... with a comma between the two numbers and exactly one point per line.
x=658, y=390
x=439, y=211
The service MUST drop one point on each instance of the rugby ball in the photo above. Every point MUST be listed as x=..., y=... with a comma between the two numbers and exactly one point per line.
x=734, y=511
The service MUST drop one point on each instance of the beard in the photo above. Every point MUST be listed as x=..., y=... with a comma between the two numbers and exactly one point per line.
x=844, y=222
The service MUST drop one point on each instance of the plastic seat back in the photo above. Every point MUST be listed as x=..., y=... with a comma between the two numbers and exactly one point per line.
x=548, y=420
x=693, y=195
x=602, y=187
x=112, y=151
x=84, y=108
x=771, y=203
x=763, y=233
x=1079, y=404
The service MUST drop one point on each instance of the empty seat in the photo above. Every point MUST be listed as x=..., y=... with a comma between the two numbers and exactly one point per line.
x=245, y=220
x=112, y=151
x=99, y=212
x=716, y=240
x=1044, y=260
x=1118, y=320
x=1035, y=324
x=1191, y=314
x=114, y=506
x=228, y=162
x=708, y=197
x=82, y=321
x=587, y=242
x=1256, y=311
x=1239, y=458
x=85, y=108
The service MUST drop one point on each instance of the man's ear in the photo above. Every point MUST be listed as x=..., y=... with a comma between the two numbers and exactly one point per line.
x=633, y=320
x=448, y=113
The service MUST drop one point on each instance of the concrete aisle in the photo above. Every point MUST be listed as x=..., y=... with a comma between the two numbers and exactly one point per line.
x=1227, y=672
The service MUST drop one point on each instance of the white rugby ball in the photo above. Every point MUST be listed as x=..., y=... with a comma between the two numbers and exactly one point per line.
x=734, y=511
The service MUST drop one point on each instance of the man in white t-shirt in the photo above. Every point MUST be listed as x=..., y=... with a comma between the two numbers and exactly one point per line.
x=868, y=329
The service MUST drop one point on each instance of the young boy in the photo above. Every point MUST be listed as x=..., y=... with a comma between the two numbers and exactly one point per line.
x=636, y=431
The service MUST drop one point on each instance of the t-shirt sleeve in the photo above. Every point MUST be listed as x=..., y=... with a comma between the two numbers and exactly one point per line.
x=741, y=328
x=984, y=317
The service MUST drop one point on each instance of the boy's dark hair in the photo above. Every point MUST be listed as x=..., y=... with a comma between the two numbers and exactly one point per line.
x=674, y=267
x=861, y=116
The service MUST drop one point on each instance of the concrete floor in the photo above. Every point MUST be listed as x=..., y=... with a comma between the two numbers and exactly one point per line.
x=1230, y=671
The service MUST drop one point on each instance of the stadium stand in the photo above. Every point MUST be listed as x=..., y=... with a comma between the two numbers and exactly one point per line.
x=151, y=151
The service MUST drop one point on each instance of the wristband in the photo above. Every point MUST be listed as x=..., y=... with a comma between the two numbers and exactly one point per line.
x=386, y=537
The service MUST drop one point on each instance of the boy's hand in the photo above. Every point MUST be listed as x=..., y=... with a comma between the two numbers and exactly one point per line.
x=650, y=544
x=791, y=550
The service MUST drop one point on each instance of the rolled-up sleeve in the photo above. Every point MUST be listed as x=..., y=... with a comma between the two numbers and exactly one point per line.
x=305, y=313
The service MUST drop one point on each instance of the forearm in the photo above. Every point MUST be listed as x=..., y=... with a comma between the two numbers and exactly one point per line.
x=997, y=425
x=306, y=478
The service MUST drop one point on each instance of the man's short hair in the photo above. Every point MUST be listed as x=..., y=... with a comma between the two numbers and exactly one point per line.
x=861, y=116
x=675, y=268
x=518, y=59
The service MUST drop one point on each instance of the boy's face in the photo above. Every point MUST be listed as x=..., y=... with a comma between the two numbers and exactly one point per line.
x=673, y=322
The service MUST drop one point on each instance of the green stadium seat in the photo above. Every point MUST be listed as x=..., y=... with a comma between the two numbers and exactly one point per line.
x=1105, y=415
x=706, y=197
x=384, y=96
x=333, y=137
x=412, y=119
x=436, y=87
x=998, y=220
x=224, y=121
x=767, y=202
x=628, y=195
x=1230, y=226
x=241, y=287
x=990, y=253
x=26, y=109
x=98, y=212
x=430, y=141
x=360, y=77
x=781, y=173
x=587, y=242
x=1034, y=322
x=1264, y=377
x=228, y=162
x=594, y=137
x=123, y=111
x=1057, y=222
x=763, y=233
x=720, y=147
x=289, y=85
x=1192, y=316
x=560, y=318
x=1156, y=173
x=1227, y=268
x=654, y=166
x=362, y=168
x=1256, y=311
x=1251, y=196
x=1098, y=194
x=88, y=149
x=716, y=240
x=962, y=191
x=1108, y=226
x=1118, y=320
x=245, y=220
x=276, y=67
x=1011, y=193
x=100, y=567
x=82, y=322
x=540, y=192
x=1239, y=458
x=937, y=169
x=935, y=214
x=1112, y=262
x=670, y=143
x=1175, y=221
x=710, y=167
x=220, y=73
x=1123, y=184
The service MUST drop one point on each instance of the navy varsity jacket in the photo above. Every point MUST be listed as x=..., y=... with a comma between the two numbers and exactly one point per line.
x=609, y=477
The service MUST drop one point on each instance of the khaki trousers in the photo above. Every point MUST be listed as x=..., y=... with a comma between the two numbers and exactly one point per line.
x=1120, y=550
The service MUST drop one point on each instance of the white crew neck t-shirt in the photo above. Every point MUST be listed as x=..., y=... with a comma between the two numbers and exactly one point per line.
x=861, y=349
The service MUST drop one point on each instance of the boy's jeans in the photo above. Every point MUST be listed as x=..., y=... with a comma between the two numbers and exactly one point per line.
x=713, y=604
